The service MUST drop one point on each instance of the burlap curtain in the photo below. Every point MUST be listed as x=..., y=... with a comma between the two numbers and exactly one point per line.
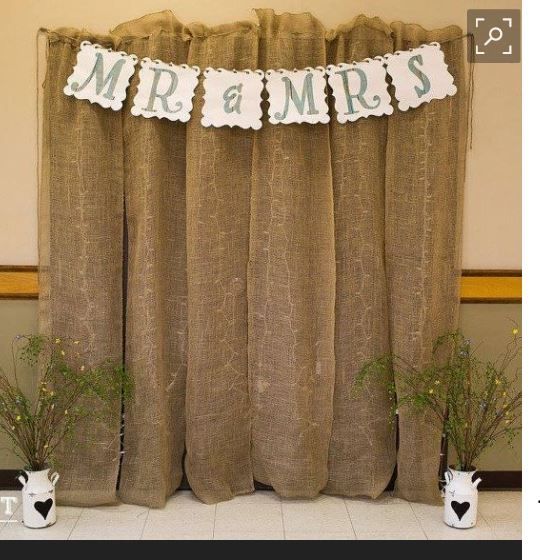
x=246, y=276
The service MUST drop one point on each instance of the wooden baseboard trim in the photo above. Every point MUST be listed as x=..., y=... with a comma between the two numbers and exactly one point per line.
x=491, y=480
x=500, y=480
x=8, y=479
x=477, y=286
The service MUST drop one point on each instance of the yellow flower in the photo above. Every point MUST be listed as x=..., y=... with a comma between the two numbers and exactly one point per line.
x=431, y=391
x=504, y=394
x=65, y=412
x=62, y=352
x=45, y=446
x=18, y=419
x=57, y=341
x=76, y=342
x=51, y=393
x=82, y=368
x=437, y=382
x=497, y=382
x=515, y=331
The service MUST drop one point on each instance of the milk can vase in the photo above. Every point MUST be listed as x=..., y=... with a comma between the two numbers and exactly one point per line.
x=460, y=498
x=38, y=499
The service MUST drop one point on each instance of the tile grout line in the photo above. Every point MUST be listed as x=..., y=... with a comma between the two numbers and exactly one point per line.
x=75, y=524
x=489, y=526
x=214, y=526
x=282, y=517
x=350, y=519
x=494, y=525
x=144, y=524
x=418, y=521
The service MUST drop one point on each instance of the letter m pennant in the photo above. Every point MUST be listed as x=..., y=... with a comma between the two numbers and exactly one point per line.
x=101, y=75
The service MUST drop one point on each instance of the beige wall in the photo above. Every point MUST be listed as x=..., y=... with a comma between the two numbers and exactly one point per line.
x=489, y=326
x=16, y=317
x=492, y=200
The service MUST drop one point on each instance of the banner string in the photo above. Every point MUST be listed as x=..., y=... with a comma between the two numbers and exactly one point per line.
x=38, y=109
x=471, y=58
x=470, y=93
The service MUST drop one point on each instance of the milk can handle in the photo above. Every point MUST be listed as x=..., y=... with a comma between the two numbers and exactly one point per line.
x=54, y=478
x=447, y=479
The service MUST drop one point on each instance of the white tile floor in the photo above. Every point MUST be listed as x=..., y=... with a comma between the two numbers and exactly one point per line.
x=264, y=516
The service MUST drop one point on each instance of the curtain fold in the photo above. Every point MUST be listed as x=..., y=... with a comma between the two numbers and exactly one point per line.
x=81, y=232
x=425, y=163
x=362, y=452
x=247, y=276
x=291, y=280
x=156, y=305
x=218, y=460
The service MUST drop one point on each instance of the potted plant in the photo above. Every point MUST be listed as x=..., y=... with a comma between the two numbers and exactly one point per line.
x=37, y=424
x=477, y=402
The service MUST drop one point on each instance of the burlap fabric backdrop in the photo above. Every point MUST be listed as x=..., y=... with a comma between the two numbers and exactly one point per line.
x=260, y=269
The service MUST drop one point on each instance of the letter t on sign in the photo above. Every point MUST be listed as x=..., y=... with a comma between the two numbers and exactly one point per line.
x=9, y=502
x=101, y=75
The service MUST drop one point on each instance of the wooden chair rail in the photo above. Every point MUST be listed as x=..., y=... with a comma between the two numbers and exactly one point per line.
x=477, y=286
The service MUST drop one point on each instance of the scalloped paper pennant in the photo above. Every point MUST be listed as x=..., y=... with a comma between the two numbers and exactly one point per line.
x=419, y=75
x=101, y=75
x=297, y=96
x=165, y=90
x=360, y=90
x=232, y=98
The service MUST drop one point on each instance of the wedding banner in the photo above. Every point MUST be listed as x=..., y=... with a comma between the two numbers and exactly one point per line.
x=233, y=97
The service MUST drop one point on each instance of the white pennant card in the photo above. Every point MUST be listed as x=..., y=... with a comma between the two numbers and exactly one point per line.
x=359, y=90
x=232, y=98
x=165, y=90
x=101, y=75
x=297, y=96
x=419, y=75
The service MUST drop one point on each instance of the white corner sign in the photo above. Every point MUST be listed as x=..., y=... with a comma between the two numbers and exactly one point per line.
x=232, y=98
x=419, y=75
x=360, y=90
x=165, y=90
x=101, y=75
x=297, y=96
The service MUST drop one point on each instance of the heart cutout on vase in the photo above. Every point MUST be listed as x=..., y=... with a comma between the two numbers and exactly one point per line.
x=461, y=508
x=44, y=507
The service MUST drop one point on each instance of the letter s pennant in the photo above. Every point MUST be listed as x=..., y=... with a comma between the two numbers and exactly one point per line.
x=419, y=75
